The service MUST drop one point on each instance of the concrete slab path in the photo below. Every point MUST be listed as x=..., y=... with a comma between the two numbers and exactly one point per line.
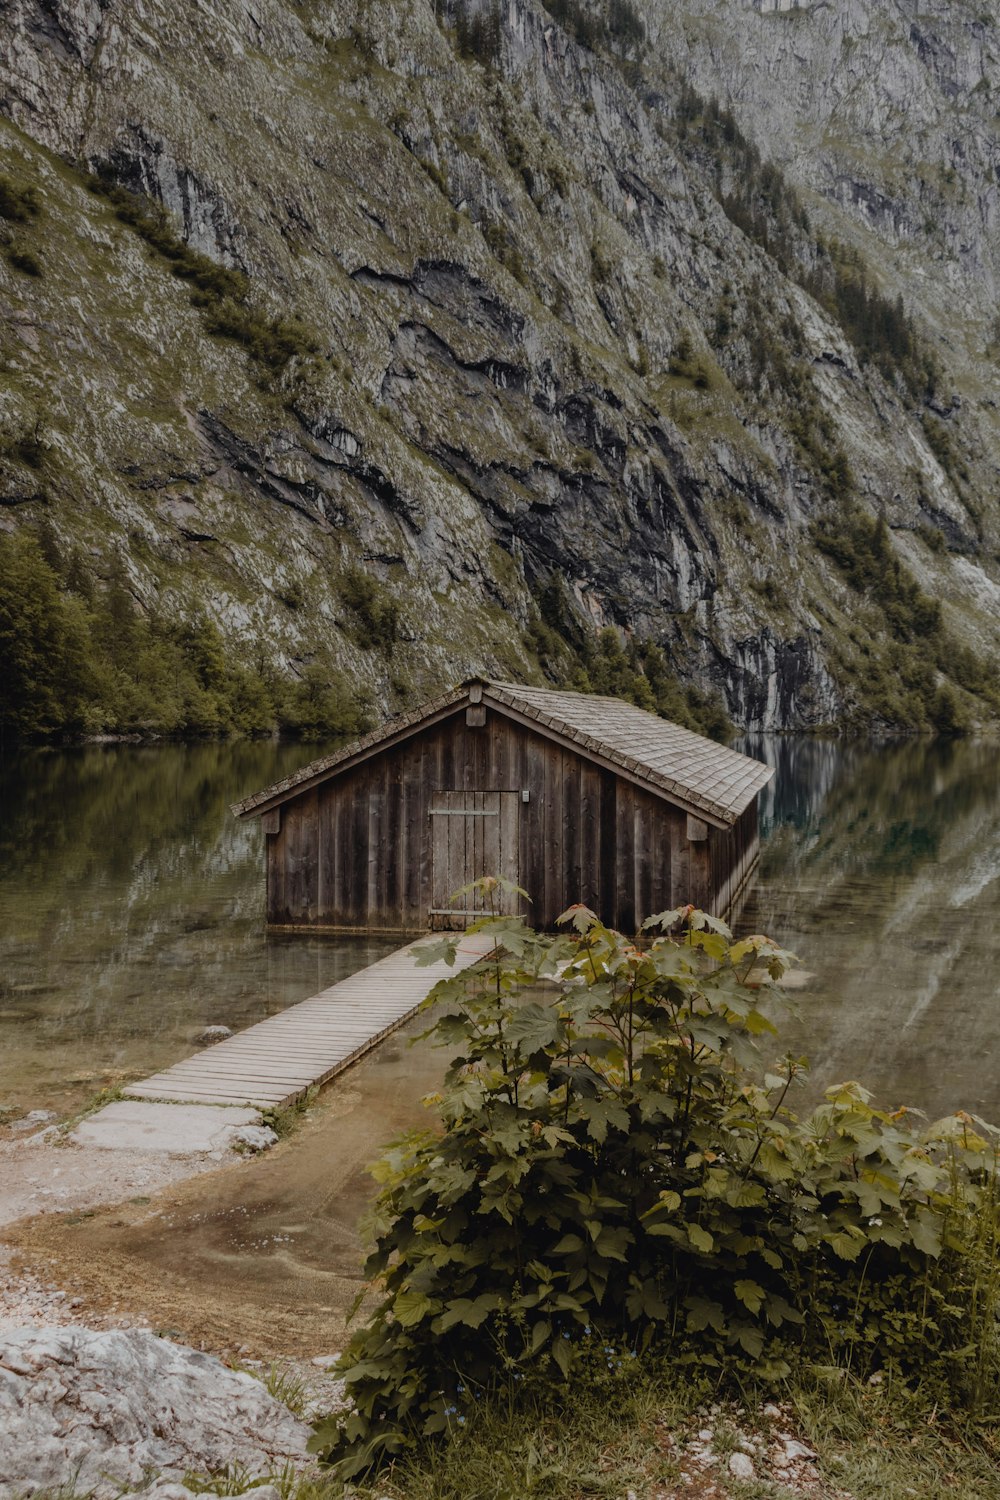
x=180, y=1130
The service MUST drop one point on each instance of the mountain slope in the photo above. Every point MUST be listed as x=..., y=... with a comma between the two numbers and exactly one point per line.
x=564, y=350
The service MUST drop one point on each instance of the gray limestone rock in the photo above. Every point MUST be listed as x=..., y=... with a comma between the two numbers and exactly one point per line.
x=101, y=1411
x=213, y=1034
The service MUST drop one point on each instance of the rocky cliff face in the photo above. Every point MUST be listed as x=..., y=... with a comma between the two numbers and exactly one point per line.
x=558, y=318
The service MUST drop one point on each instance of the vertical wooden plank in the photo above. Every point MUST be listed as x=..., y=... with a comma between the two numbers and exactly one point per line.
x=476, y=746
x=496, y=760
x=277, y=902
x=625, y=862
x=301, y=872
x=590, y=835
x=661, y=870
x=447, y=758
x=553, y=836
x=394, y=843
x=440, y=869
x=510, y=811
x=532, y=841
x=680, y=862
x=607, y=902
x=327, y=854
x=419, y=835
x=345, y=850
x=570, y=813
x=357, y=892
x=645, y=831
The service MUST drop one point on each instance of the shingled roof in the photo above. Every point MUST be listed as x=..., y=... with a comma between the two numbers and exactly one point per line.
x=695, y=773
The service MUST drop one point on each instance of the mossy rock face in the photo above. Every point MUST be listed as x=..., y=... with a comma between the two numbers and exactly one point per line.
x=458, y=305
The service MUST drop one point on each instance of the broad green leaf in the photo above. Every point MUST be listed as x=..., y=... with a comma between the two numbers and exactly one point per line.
x=703, y=1313
x=568, y=1245
x=409, y=1308
x=925, y=1232
x=469, y=1312
x=749, y=1338
x=541, y=1332
x=534, y=1027
x=750, y=1294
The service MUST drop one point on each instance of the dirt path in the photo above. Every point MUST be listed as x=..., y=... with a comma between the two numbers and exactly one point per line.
x=263, y=1256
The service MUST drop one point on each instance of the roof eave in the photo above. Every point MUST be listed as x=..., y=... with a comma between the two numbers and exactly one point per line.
x=586, y=745
x=544, y=725
x=262, y=802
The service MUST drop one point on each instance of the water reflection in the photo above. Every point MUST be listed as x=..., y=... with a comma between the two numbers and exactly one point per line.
x=132, y=912
x=881, y=869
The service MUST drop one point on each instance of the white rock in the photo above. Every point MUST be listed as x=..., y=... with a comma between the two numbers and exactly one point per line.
x=741, y=1466
x=325, y=1361
x=213, y=1034
x=106, y=1409
x=252, y=1138
x=796, y=1450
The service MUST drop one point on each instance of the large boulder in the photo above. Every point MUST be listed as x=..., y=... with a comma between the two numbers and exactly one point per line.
x=103, y=1411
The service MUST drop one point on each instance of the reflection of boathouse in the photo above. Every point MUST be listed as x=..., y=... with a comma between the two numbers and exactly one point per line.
x=572, y=797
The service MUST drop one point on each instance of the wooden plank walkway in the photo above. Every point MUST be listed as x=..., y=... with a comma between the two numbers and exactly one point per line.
x=277, y=1060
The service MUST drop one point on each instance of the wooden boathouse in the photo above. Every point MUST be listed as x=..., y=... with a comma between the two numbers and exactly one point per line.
x=571, y=796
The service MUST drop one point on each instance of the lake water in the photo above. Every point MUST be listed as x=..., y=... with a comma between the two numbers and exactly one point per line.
x=132, y=913
x=132, y=909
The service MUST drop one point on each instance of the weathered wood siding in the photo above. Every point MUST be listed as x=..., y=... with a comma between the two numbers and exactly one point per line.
x=358, y=851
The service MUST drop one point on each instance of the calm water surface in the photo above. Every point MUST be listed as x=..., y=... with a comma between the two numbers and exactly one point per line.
x=880, y=869
x=132, y=908
x=132, y=913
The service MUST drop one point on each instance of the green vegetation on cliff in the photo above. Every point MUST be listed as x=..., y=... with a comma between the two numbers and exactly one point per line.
x=82, y=659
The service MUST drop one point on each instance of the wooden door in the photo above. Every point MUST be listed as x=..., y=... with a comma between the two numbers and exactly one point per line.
x=472, y=834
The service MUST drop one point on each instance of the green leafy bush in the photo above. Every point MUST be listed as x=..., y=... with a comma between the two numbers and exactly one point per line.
x=24, y=260
x=614, y=1177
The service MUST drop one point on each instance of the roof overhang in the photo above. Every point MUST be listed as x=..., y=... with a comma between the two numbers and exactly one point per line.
x=479, y=691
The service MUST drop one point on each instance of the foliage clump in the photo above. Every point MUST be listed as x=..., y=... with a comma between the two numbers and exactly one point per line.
x=19, y=206
x=616, y=1178
x=80, y=657
x=221, y=294
x=376, y=613
x=639, y=671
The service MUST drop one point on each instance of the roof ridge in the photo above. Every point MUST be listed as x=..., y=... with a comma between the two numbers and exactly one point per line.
x=699, y=773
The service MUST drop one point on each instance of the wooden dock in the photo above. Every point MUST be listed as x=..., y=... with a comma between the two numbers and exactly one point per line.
x=277, y=1060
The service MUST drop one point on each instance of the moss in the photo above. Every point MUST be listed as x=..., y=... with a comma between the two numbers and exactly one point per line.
x=23, y=260
x=220, y=294
x=18, y=205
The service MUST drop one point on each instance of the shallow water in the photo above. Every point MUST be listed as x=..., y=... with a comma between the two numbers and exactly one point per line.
x=880, y=869
x=132, y=911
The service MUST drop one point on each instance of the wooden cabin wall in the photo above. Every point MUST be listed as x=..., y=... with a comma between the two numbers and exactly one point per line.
x=356, y=852
x=732, y=855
